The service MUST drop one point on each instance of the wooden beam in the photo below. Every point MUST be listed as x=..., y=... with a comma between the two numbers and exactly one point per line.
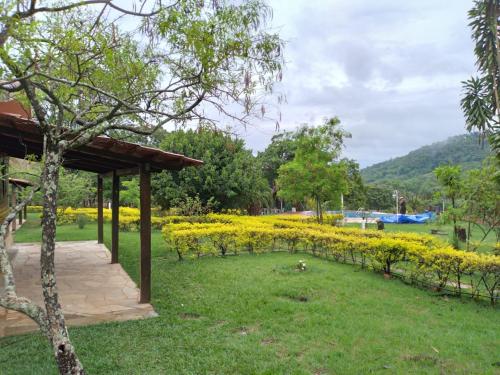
x=122, y=172
x=145, y=190
x=75, y=156
x=105, y=153
x=115, y=219
x=100, y=212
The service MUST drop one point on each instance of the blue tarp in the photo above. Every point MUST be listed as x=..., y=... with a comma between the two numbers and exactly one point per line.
x=407, y=219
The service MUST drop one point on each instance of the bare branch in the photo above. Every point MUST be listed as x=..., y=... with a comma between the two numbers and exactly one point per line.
x=33, y=10
x=27, y=87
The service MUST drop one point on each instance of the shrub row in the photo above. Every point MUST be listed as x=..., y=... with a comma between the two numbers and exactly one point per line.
x=420, y=259
x=129, y=217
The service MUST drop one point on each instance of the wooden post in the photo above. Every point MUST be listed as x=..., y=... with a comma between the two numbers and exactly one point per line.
x=20, y=217
x=115, y=219
x=13, y=202
x=145, y=189
x=26, y=212
x=100, y=215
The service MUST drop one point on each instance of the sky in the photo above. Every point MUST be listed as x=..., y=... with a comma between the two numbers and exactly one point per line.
x=391, y=70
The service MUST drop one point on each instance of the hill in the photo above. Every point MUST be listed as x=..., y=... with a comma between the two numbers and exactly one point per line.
x=414, y=171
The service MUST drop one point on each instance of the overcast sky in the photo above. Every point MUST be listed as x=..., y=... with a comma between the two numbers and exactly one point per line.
x=389, y=69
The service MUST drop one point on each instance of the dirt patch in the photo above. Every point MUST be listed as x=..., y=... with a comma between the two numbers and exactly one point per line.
x=190, y=316
x=218, y=324
x=300, y=298
x=296, y=297
x=300, y=355
x=268, y=341
x=282, y=353
x=243, y=331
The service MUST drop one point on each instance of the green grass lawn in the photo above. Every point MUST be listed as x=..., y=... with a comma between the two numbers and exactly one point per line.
x=257, y=315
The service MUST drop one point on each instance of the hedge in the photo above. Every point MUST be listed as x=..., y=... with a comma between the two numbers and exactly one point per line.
x=418, y=259
x=129, y=217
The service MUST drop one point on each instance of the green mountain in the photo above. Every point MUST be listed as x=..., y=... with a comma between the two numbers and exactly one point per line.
x=414, y=171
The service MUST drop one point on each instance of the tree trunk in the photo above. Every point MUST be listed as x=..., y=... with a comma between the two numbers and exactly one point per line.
x=319, y=213
x=454, y=217
x=64, y=352
x=468, y=236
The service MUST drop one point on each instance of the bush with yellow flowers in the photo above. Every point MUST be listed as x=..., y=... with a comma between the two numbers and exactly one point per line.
x=421, y=259
x=129, y=217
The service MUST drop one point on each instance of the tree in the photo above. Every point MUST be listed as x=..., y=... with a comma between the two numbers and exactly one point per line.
x=75, y=187
x=482, y=201
x=230, y=177
x=379, y=197
x=129, y=193
x=355, y=198
x=84, y=76
x=481, y=101
x=281, y=150
x=315, y=172
x=414, y=202
x=451, y=183
x=190, y=206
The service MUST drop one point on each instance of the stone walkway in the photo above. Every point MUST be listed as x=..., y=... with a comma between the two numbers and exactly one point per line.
x=91, y=289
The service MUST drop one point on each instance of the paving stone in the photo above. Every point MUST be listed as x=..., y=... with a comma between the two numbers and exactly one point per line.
x=91, y=289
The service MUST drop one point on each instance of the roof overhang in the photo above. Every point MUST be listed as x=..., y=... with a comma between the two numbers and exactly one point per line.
x=20, y=137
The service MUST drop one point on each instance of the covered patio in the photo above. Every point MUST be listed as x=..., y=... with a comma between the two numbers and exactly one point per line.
x=108, y=158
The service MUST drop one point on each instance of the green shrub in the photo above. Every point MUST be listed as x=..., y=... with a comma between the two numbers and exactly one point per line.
x=81, y=220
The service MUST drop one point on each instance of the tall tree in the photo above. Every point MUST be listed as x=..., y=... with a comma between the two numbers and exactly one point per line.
x=231, y=177
x=355, y=197
x=281, y=150
x=482, y=202
x=75, y=188
x=481, y=102
x=129, y=193
x=315, y=172
x=84, y=76
x=451, y=183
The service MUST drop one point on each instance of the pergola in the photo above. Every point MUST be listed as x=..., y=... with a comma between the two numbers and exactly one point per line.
x=108, y=157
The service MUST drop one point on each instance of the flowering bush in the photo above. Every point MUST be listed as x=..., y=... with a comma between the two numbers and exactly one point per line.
x=415, y=257
x=129, y=217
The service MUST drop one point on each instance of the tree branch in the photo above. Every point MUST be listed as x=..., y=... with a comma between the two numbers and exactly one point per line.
x=9, y=298
x=33, y=10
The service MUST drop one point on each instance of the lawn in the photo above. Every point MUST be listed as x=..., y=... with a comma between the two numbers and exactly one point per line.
x=257, y=315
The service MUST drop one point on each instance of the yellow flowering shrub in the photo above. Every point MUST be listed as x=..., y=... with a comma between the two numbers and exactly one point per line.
x=129, y=217
x=416, y=257
x=410, y=255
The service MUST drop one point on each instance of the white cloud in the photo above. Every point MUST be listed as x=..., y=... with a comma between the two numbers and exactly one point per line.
x=390, y=70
